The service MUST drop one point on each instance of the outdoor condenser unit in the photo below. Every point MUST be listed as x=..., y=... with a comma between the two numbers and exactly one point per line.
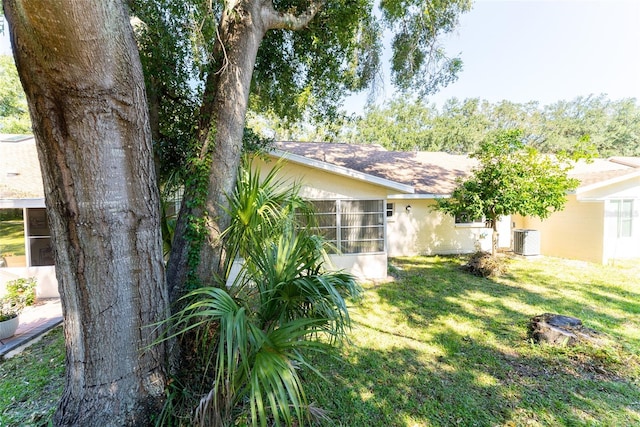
x=526, y=242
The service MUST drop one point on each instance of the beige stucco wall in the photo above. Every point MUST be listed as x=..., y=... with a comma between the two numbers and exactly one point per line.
x=423, y=231
x=319, y=184
x=587, y=228
x=577, y=232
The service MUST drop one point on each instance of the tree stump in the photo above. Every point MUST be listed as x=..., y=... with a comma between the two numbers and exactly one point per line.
x=557, y=329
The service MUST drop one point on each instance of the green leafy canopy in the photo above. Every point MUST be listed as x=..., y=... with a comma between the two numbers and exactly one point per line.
x=512, y=178
x=14, y=112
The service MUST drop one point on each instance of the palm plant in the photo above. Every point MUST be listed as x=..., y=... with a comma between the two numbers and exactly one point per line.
x=284, y=303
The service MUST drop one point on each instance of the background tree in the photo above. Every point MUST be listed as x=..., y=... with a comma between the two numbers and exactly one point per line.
x=398, y=125
x=511, y=178
x=14, y=112
x=613, y=127
x=79, y=65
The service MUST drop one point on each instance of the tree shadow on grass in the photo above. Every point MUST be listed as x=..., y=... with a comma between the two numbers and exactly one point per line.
x=452, y=349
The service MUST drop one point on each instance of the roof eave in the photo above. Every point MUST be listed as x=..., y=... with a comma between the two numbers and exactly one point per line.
x=415, y=196
x=611, y=181
x=35, y=202
x=343, y=171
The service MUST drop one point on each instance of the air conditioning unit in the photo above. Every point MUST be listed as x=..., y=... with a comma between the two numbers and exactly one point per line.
x=526, y=242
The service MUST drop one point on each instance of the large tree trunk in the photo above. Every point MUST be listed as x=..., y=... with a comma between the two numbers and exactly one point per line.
x=79, y=66
x=221, y=129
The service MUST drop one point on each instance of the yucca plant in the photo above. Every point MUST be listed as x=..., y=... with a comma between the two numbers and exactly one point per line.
x=257, y=330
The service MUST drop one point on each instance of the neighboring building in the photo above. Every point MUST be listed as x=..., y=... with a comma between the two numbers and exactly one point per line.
x=22, y=209
x=372, y=204
x=601, y=220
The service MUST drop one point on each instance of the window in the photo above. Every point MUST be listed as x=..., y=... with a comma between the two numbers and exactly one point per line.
x=40, y=250
x=623, y=210
x=13, y=251
x=352, y=226
x=390, y=209
x=466, y=219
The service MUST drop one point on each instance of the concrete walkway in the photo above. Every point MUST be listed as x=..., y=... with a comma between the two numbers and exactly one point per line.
x=34, y=322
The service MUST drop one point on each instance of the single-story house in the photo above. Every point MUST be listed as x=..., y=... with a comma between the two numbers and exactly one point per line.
x=373, y=204
x=600, y=223
x=376, y=203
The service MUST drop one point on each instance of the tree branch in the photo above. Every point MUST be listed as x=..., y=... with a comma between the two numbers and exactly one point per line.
x=275, y=20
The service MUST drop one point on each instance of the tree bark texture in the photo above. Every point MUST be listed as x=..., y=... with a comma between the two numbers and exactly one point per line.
x=223, y=109
x=80, y=69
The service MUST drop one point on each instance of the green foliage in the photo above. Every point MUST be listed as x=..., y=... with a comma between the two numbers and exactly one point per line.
x=398, y=126
x=511, y=178
x=14, y=112
x=419, y=63
x=196, y=186
x=262, y=208
x=20, y=293
x=169, y=35
x=298, y=74
x=611, y=128
x=253, y=336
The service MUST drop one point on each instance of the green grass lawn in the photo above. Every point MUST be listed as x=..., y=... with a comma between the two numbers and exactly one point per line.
x=12, y=237
x=31, y=382
x=439, y=347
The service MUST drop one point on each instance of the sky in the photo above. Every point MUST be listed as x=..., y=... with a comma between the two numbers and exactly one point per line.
x=537, y=50
x=543, y=50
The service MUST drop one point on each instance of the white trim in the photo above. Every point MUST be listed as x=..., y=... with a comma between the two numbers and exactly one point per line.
x=471, y=225
x=417, y=196
x=21, y=203
x=340, y=170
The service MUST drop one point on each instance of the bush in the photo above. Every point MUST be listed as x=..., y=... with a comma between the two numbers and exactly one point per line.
x=20, y=293
x=484, y=264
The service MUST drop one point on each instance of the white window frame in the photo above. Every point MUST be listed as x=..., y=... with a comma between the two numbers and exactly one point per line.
x=476, y=222
x=391, y=209
x=624, y=217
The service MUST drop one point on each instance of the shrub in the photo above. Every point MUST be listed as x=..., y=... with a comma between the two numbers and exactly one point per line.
x=20, y=293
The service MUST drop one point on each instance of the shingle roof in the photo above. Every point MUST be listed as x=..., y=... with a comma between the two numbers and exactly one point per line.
x=429, y=173
x=604, y=170
x=436, y=172
x=20, y=176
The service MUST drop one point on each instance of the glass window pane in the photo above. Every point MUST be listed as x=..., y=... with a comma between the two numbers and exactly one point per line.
x=362, y=226
x=625, y=215
x=41, y=251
